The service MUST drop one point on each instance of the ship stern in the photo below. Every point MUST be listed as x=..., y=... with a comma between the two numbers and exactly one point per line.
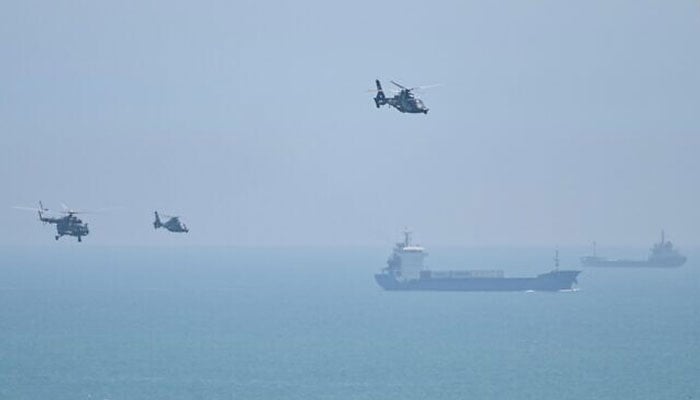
x=387, y=281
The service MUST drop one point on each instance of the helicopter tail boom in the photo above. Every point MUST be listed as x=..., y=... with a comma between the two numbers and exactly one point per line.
x=40, y=211
x=157, y=224
x=380, y=99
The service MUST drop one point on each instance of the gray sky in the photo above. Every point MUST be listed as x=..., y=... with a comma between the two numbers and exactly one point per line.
x=558, y=122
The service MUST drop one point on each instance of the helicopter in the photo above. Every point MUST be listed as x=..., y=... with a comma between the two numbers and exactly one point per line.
x=69, y=225
x=173, y=224
x=404, y=101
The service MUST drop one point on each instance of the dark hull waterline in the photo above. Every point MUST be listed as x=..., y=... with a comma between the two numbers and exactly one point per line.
x=599, y=262
x=551, y=282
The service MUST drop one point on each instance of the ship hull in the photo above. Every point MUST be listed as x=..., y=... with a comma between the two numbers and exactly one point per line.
x=603, y=262
x=550, y=282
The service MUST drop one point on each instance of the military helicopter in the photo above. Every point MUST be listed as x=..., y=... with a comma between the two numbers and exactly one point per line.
x=404, y=101
x=69, y=225
x=173, y=224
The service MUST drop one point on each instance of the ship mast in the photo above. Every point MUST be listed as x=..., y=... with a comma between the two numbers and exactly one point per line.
x=556, y=259
x=407, y=237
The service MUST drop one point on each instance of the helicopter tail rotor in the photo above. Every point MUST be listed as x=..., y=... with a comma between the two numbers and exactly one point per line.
x=40, y=211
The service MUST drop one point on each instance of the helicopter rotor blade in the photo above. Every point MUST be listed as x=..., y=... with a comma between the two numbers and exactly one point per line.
x=30, y=209
x=105, y=209
x=416, y=87
x=383, y=90
x=426, y=86
x=70, y=211
x=399, y=85
x=67, y=210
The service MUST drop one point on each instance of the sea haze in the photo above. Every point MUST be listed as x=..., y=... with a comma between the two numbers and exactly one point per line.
x=80, y=322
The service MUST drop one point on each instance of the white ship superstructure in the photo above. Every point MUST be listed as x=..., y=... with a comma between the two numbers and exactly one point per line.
x=407, y=260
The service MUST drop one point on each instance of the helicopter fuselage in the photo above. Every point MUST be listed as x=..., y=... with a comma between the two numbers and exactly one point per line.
x=173, y=224
x=70, y=225
x=404, y=101
x=407, y=103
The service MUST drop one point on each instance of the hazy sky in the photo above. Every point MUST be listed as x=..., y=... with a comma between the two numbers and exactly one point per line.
x=558, y=122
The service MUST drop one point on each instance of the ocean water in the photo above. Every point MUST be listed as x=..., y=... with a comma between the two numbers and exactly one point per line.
x=82, y=322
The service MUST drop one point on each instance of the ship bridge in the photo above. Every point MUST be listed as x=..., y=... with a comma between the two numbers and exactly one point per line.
x=410, y=258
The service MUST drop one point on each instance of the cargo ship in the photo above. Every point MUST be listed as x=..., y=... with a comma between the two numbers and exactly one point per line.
x=663, y=255
x=405, y=271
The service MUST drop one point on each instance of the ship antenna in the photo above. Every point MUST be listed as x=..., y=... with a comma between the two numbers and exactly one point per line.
x=663, y=239
x=556, y=259
x=407, y=237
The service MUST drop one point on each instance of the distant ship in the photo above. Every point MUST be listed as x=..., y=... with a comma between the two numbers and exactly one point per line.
x=405, y=271
x=663, y=255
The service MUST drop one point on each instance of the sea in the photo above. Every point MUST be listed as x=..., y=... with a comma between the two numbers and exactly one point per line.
x=90, y=322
